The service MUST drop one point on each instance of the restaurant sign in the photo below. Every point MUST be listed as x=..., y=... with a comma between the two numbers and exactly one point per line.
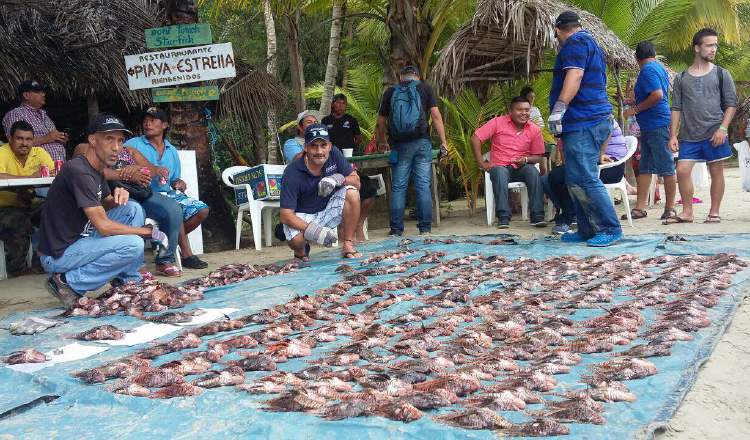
x=177, y=36
x=180, y=66
x=174, y=94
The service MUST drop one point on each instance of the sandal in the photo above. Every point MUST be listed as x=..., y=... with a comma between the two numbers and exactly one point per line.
x=713, y=219
x=675, y=219
x=668, y=212
x=304, y=258
x=351, y=254
x=168, y=270
x=635, y=214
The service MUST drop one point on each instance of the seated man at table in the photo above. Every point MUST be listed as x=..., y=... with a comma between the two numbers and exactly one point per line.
x=294, y=147
x=156, y=151
x=88, y=235
x=517, y=145
x=319, y=194
x=19, y=159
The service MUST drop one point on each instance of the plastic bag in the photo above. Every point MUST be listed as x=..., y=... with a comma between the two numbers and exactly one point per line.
x=743, y=152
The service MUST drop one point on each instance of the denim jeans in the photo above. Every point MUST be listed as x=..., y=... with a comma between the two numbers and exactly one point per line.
x=92, y=261
x=168, y=214
x=501, y=176
x=412, y=156
x=557, y=191
x=594, y=210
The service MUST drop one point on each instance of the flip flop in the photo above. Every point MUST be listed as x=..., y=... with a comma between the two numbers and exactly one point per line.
x=351, y=255
x=168, y=270
x=668, y=213
x=675, y=219
x=635, y=214
x=713, y=219
x=305, y=258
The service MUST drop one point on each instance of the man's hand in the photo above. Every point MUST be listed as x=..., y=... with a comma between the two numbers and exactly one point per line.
x=719, y=137
x=329, y=183
x=179, y=185
x=157, y=236
x=520, y=161
x=383, y=147
x=629, y=112
x=674, y=144
x=443, y=151
x=554, y=122
x=485, y=165
x=120, y=196
x=133, y=173
x=55, y=136
x=319, y=234
x=603, y=158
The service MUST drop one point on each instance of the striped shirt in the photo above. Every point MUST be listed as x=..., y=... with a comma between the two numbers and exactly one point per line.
x=40, y=122
x=590, y=105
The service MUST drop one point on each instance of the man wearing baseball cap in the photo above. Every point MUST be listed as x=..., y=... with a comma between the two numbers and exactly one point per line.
x=320, y=194
x=33, y=96
x=88, y=235
x=158, y=154
x=582, y=117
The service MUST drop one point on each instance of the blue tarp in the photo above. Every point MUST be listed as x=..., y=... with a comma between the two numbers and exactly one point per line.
x=90, y=412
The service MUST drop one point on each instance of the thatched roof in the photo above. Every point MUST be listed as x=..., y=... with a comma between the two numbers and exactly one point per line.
x=507, y=39
x=77, y=47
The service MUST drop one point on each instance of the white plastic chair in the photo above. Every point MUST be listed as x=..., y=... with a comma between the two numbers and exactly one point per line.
x=621, y=186
x=259, y=218
x=489, y=196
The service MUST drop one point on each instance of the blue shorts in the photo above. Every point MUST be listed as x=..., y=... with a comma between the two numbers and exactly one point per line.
x=704, y=151
x=656, y=157
x=189, y=205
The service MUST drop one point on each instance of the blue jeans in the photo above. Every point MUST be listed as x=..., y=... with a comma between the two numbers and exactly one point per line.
x=411, y=156
x=594, y=210
x=168, y=214
x=92, y=261
x=501, y=176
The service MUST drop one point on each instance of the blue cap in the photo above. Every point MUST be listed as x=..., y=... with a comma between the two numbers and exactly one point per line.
x=316, y=131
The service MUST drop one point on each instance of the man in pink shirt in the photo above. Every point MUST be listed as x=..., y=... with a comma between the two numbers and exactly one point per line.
x=517, y=145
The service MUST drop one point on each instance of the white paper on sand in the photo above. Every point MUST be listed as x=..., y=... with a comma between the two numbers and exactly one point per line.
x=68, y=353
x=142, y=334
x=210, y=315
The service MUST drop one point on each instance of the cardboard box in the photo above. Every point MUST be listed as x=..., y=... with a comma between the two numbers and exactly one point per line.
x=264, y=181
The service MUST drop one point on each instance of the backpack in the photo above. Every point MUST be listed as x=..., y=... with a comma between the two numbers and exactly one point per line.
x=407, y=120
x=720, y=77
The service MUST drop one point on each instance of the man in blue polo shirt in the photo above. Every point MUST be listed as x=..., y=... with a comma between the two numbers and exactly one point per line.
x=651, y=110
x=160, y=153
x=319, y=194
x=581, y=116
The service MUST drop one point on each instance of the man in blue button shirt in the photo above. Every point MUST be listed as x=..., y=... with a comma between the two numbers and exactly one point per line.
x=651, y=110
x=319, y=194
x=159, y=152
x=581, y=116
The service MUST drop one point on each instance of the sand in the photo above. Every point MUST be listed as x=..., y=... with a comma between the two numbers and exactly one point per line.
x=715, y=407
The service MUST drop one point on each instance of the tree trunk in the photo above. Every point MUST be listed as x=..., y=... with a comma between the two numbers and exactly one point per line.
x=349, y=39
x=295, y=61
x=329, y=86
x=273, y=149
x=188, y=132
x=410, y=32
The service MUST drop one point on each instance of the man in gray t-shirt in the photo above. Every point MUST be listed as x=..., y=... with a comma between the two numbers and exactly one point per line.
x=704, y=101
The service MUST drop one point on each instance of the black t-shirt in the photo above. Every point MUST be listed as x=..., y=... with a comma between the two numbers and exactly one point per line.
x=77, y=186
x=342, y=130
x=425, y=92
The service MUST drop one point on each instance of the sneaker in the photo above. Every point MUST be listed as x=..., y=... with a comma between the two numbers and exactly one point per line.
x=503, y=223
x=394, y=233
x=540, y=223
x=602, y=239
x=193, y=262
x=60, y=290
x=572, y=237
x=560, y=229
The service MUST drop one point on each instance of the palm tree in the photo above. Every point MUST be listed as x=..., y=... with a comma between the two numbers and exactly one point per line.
x=333, y=56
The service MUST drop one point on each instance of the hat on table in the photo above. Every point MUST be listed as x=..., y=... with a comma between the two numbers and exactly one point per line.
x=316, y=131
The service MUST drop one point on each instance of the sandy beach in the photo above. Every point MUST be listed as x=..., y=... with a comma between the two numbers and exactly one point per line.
x=715, y=407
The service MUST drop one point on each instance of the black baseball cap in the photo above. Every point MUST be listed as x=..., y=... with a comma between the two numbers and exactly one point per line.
x=106, y=122
x=156, y=113
x=567, y=17
x=316, y=131
x=31, y=86
x=406, y=70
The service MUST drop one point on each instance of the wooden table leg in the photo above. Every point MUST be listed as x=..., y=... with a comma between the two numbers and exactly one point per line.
x=435, y=194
